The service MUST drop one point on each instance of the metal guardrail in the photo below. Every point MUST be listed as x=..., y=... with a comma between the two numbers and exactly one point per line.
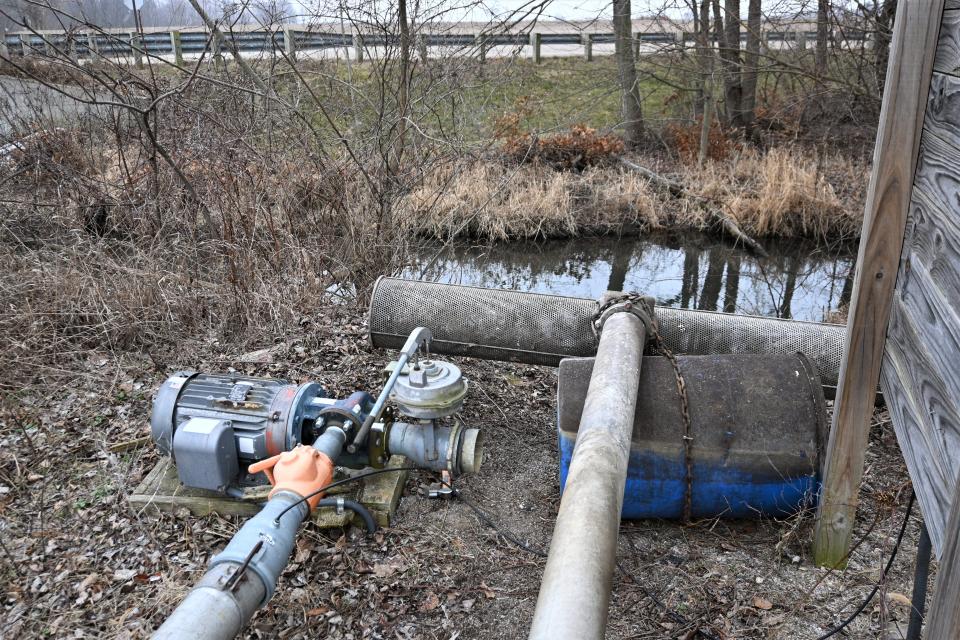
x=177, y=43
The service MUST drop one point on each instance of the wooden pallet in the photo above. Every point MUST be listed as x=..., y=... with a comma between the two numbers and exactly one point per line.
x=161, y=491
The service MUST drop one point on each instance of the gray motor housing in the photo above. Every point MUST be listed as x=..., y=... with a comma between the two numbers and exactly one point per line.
x=248, y=418
x=206, y=454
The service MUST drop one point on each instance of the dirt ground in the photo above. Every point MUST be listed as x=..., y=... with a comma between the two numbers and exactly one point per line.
x=78, y=561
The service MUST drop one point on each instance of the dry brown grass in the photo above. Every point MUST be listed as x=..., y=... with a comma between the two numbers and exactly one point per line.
x=103, y=250
x=497, y=202
x=106, y=246
x=786, y=192
x=779, y=193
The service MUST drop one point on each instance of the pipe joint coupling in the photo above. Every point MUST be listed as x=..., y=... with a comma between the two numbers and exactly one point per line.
x=639, y=305
x=263, y=545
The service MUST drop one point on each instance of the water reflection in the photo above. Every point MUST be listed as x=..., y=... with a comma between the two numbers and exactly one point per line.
x=798, y=281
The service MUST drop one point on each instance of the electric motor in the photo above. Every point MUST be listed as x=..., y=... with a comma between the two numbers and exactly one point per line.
x=210, y=423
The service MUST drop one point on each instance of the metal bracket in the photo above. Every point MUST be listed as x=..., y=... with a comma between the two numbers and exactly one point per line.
x=639, y=305
x=440, y=489
x=234, y=575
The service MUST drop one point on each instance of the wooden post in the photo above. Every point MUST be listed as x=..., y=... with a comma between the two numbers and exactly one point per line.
x=72, y=52
x=217, y=44
x=422, y=47
x=135, y=49
x=912, y=53
x=4, y=51
x=636, y=46
x=535, y=39
x=25, y=45
x=944, y=620
x=587, y=39
x=290, y=44
x=176, y=42
x=481, y=40
x=801, y=37
x=358, y=47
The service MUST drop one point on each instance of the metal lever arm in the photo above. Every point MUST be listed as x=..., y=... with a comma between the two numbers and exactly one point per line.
x=417, y=338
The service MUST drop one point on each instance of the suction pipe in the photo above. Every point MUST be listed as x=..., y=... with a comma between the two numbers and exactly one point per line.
x=575, y=591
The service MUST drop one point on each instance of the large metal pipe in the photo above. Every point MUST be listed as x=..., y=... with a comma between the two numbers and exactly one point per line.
x=243, y=577
x=534, y=328
x=575, y=592
x=426, y=445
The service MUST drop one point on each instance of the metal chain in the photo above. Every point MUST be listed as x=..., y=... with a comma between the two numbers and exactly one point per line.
x=661, y=348
x=687, y=424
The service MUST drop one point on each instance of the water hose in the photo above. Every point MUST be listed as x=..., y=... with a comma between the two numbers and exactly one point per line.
x=356, y=507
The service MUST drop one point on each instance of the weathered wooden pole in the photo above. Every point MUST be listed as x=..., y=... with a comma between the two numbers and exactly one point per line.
x=135, y=49
x=358, y=47
x=587, y=39
x=535, y=39
x=912, y=53
x=944, y=620
x=481, y=40
x=217, y=46
x=421, y=41
x=176, y=43
x=290, y=43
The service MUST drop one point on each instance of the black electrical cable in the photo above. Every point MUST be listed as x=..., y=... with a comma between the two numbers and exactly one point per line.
x=359, y=476
x=674, y=615
x=487, y=520
x=510, y=537
x=893, y=554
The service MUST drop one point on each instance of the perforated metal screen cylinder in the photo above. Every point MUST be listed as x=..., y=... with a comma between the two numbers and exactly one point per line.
x=536, y=328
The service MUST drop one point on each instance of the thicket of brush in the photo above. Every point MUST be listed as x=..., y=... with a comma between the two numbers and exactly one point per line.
x=216, y=212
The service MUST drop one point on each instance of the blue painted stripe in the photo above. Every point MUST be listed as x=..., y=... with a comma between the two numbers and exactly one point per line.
x=656, y=484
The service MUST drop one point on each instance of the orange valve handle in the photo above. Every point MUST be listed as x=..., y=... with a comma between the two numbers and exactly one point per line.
x=301, y=470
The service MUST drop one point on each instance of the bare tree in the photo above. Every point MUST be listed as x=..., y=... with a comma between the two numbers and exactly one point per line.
x=730, y=54
x=823, y=34
x=705, y=55
x=886, y=10
x=750, y=63
x=631, y=105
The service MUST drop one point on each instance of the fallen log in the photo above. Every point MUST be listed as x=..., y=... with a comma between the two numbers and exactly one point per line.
x=678, y=190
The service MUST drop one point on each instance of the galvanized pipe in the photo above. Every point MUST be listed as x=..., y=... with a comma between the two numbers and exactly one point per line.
x=575, y=591
x=426, y=445
x=221, y=603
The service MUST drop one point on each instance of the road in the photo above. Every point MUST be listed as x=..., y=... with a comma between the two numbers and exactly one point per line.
x=26, y=104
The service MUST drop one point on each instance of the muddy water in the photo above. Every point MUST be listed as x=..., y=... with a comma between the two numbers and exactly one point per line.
x=798, y=280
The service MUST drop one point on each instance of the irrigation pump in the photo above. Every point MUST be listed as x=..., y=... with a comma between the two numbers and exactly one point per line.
x=226, y=432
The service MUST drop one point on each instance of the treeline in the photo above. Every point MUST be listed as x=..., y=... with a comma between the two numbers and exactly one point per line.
x=63, y=14
x=848, y=56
